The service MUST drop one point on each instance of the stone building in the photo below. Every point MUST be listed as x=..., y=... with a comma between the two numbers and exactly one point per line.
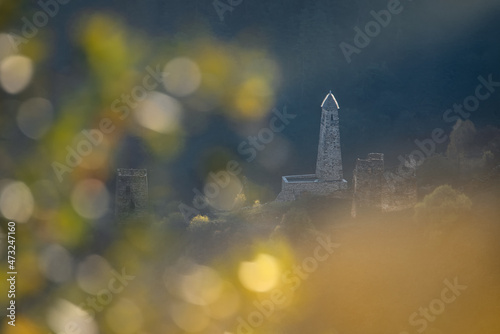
x=368, y=180
x=131, y=197
x=400, y=186
x=374, y=188
x=377, y=189
x=328, y=178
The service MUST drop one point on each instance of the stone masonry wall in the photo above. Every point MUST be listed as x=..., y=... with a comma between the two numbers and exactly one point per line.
x=400, y=190
x=329, y=161
x=131, y=193
x=293, y=188
x=368, y=179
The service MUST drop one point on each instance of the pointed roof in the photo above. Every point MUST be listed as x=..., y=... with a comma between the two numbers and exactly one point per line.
x=330, y=102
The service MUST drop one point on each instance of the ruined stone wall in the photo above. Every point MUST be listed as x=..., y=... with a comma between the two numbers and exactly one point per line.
x=368, y=180
x=400, y=189
x=292, y=187
x=131, y=198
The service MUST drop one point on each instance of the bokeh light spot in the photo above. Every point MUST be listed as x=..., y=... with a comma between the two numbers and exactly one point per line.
x=15, y=73
x=184, y=77
x=90, y=198
x=16, y=201
x=65, y=317
x=56, y=263
x=223, y=198
x=159, y=112
x=35, y=117
x=203, y=286
x=93, y=274
x=253, y=98
x=124, y=317
x=260, y=275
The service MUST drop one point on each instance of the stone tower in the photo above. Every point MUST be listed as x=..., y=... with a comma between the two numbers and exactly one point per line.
x=329, y=163
x=368, y=184
x=400, y=191
x=328, y=179
x=131, y=193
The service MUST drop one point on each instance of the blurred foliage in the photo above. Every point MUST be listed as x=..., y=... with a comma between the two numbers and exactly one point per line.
x=473, y=151
x=444, y=206
x=198, y=222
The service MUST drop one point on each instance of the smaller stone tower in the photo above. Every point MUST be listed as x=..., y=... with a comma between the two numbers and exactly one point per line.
x=400, y=191
x=131, y=193
x=368, y=184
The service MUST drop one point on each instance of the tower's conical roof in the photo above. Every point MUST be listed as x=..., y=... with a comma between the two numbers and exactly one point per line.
x=330, y=102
